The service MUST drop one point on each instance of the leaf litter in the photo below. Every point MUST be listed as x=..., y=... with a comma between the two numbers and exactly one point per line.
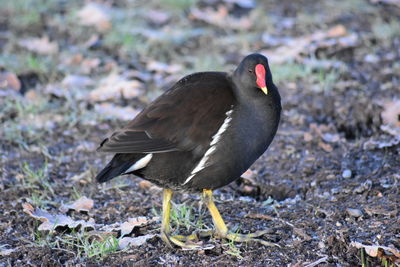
x=52, y=222
x=82, y=204
x=300, y=180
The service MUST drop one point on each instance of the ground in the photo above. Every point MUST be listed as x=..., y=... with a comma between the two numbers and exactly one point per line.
x=72, y=72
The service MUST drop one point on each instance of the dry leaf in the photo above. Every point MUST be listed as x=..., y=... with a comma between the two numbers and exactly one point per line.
x=330, y=138
x=326, y=147
x=111, y=111
x=259, y=216
x=73, y=81
x=157, y=16
x=9, y=80
x=221, y=18
x=373, y=250
x=383, y=141
x=249, y=175
x=89, y=64
x=391, y=113
x=382, y=210
x=126, y=242
x=40, y=45
x=336, y=31
x=113, y=87
x=391, y=118
x=7, y=251
x=163, y=67
x=51, y=222
x=307, y=137
x=95, y=15
x=127, y=227
x=293, y=47
x=145, y=184
x=302, y=233
x=82, y=204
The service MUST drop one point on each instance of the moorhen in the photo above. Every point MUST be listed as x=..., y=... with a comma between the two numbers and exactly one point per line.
x=200, y=135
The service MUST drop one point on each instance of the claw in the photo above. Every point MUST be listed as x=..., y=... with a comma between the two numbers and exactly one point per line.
x=192, y=242
x=222, y=230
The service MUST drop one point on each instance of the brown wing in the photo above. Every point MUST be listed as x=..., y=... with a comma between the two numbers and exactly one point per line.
x=183, y=118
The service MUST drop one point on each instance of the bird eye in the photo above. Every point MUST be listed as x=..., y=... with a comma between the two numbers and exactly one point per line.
x=250, y=71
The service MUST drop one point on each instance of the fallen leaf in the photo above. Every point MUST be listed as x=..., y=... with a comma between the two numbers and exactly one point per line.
x=381, y=210
x=379, y=251
x=127, y=227
x=7, y=251
x=391, y=113
x=302, y=233
x=96, y=15
x=294, y=47
x=157, y=16
x=40, y=45
x=82, y=204
x=92, y=41
x=221, y=18
x=330, y=138
x=89, y=64
x=163, y=67
x=111, y=111
x=336, y=31
x=9, y=80
x=52, y=222
x=307, y=137
x=316, y=263
x=249, y=175
x=145, y=184
x=113, y=87
x=80, y=81
x=259, y=216
x=126, y=242
x=326, y=147
x=382, y=141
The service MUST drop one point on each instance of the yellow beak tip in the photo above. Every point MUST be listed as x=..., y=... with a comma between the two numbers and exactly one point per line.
x=265, y=90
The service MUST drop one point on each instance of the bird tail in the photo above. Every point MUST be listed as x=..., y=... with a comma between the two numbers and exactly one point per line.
x=114, y=168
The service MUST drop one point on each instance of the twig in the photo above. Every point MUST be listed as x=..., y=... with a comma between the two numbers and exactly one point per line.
x=315, y=263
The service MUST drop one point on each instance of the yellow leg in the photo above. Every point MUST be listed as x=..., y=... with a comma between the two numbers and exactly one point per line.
x=219, y=223
x=166, y=229
x=166, y=213
x=222, y=230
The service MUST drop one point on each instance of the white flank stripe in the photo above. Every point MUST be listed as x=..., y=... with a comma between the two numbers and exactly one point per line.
x=215, y=139
x=141, y=163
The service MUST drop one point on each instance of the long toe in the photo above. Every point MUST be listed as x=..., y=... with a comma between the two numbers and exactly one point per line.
x=189, y=242
x=235, y=237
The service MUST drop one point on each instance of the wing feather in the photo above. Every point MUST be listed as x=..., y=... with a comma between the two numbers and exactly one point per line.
x=185, y=117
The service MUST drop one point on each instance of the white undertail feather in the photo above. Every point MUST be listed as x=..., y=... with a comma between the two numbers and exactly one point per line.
x=141, y=163
x=215, y=139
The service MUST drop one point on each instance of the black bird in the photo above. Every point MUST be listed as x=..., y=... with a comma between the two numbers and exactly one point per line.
x=200, y=135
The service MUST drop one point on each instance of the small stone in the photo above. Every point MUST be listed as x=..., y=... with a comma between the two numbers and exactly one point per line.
x=354, y=212
x=330, y=177
x=346, y=174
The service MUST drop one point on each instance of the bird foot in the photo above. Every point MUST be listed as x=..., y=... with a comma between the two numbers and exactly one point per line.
x=190, y=242
x=235, y=237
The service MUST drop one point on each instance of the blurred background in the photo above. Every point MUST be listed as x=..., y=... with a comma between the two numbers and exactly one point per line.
x=71, y=72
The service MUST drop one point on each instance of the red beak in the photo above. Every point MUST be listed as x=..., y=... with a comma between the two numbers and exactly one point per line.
x=260, y=74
